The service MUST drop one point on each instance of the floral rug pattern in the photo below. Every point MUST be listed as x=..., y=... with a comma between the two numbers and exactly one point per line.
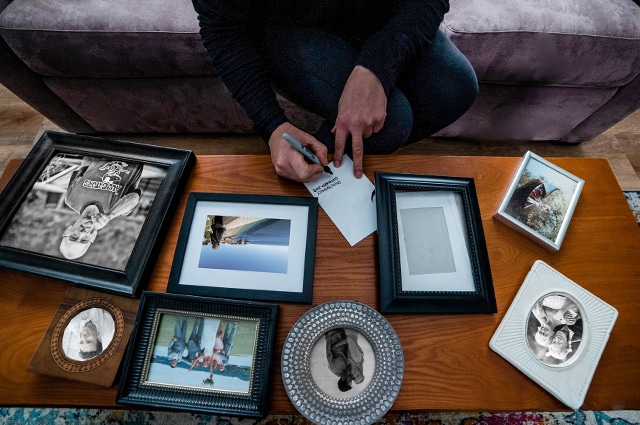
x=65, y=416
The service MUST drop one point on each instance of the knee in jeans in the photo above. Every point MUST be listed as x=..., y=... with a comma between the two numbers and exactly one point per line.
x=465, y=87
x=472, y=89
x=397, y=127
x=393, y=136
x=460, y=91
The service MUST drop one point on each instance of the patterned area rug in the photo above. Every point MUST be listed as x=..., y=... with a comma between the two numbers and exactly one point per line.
x=32, y=416
x=633, y=198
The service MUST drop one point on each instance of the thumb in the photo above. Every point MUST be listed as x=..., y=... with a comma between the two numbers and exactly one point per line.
x=318, y=148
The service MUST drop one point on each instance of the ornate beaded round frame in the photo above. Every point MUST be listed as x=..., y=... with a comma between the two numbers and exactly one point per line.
x=376, y=399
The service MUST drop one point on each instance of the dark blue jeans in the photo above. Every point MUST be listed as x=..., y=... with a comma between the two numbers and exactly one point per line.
x=310, y=67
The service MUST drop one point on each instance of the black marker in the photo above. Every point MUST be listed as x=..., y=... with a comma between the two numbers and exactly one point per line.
x=305, y=151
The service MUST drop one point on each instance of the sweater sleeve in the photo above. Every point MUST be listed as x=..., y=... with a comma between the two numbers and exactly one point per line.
x=409, y=31
x=228, y=29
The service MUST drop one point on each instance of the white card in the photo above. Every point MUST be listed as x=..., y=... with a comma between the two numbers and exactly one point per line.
x=348, y=201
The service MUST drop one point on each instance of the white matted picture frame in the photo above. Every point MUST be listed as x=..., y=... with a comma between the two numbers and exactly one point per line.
x=555, y=332
x=540, y=201
x=258, y=247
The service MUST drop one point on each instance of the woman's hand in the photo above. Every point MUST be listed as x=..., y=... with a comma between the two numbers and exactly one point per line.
x=362, y=110
x=290, y=163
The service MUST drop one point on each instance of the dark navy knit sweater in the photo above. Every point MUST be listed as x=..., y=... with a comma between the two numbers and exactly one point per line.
x=389, y=33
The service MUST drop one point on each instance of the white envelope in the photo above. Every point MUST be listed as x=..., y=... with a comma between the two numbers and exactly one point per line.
x=348, y=201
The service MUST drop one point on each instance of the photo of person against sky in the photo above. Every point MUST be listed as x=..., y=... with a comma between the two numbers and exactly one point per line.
x=246, y=244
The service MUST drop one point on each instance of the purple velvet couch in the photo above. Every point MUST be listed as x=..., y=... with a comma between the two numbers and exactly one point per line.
x=559, y=70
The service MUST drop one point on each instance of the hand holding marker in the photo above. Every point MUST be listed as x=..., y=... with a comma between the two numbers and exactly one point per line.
x=306, y=152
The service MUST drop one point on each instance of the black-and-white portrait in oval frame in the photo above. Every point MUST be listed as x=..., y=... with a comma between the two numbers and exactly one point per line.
x=110, y=328
x=561, y=343
x=569, y=381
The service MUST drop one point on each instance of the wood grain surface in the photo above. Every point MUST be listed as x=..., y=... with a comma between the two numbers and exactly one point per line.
x=448, y=362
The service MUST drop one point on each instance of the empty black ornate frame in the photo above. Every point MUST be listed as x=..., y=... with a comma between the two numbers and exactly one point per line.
x=31, y=232
x=441, y=264
x=148, y=349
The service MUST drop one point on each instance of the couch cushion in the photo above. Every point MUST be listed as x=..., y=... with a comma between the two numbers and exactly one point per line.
x=106, y=38
x=564, y=42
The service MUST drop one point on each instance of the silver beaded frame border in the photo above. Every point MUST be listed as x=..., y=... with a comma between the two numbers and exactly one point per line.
x=376, y=399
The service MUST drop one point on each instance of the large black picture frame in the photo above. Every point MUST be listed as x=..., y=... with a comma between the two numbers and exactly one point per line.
x=57, y=163
x=148, y=349
x=246, y=276
x=450, y=275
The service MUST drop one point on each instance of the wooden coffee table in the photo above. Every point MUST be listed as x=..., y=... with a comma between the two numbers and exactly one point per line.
x=448, y=363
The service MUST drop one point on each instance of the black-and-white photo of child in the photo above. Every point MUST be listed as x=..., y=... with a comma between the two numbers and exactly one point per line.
x=86, y=209
x=88, y=334
x=554, y=329
x=342, y=363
